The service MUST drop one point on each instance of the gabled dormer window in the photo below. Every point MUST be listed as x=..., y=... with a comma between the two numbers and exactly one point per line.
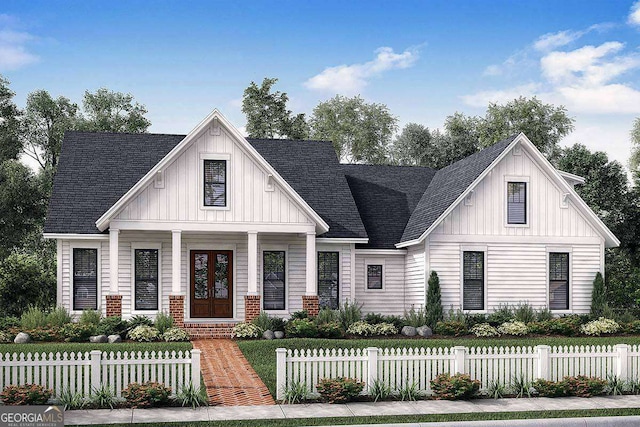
x=215, y=183
x=516, y=202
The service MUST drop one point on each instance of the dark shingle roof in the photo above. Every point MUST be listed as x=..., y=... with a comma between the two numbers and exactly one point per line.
x=447, y=185
x=313, y=170
x=386, y=196
x=95, y=170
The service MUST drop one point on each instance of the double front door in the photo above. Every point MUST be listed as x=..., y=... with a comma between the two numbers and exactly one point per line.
x=212, y=284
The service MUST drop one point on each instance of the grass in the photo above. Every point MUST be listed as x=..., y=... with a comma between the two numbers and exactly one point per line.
x=76, y=347
x=482, y=416
x=261, y=354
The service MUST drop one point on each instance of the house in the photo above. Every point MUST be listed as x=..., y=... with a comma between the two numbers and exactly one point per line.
x=213, y=228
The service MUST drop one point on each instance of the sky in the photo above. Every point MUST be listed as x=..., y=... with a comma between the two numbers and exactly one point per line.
x=424, y=59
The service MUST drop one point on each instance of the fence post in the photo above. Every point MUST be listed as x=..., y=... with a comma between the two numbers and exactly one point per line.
x=195, y=368
x=544, y=358
x=281, y=372
x=459, y=354
x=96, y=359
x=622, y=368
x=372, y=366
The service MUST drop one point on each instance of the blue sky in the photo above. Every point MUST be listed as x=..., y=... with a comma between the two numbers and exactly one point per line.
x=424, y=59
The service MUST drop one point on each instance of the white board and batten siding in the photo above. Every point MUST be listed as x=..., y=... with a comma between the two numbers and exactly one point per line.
x=516, y=257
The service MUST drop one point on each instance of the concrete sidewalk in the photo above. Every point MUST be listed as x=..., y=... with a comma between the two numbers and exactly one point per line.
x=323, y=410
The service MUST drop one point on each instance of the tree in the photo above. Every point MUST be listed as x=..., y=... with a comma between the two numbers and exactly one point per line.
x=45, y=121
x=433, y=306
x=634, y=161
x=598, y=297
x=413, y=147
x=360, y=132
x=10, y=143
x=23, y=282
x=109, y=111
x=267, y=113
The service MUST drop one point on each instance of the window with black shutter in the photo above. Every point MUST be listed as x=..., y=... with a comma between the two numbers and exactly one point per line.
x=85, y=279
x=215, y=183
x=473, y=281
x=146, y=274
x=328, y=279
x=516, y=202
x=374, y=276
x=558, y=281
x=273, y=280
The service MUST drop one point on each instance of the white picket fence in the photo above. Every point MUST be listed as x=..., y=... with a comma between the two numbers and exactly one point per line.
x=83, y=372
x=399, y=367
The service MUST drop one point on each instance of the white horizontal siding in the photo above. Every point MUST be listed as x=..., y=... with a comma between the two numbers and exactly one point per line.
x=389, y=300
x=586, y=261
x=415, y=276
x=444, y=259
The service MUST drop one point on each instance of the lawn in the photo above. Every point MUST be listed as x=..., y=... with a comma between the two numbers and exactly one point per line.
x=76, y=347
x=261, y=354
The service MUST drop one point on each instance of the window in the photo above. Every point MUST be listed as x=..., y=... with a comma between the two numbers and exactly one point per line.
x=328, y=279
x=516, y=203
x=558, y=281
x=85, y=279
x=473, y=281
x=146, y=279
x=215, y=183
x=374, y=276
x=273, y=280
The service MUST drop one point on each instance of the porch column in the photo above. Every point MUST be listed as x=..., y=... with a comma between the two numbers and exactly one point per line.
x=176, y=299
x=310, y=298
x=114, y=299
x=252, y=299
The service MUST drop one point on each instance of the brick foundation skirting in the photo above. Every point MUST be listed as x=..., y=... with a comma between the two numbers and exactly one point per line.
x=114, y=305
x=251, y=307
x=209, y=330
x=310, y=303
x=176, y=309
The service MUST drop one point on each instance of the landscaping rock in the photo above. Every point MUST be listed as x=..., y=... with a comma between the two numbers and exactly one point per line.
x=22, y=338
x=98, y=339
x=114, y=338
x=279, y=335
x=424, y=331
x=268, y=335
x=409, y=331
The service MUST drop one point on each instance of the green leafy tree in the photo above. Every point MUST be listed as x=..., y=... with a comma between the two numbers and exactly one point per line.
x=634, y=161
x=598, y=297
x=10, y=143
x=433, y=306
x=109, y=111
x=267, y=113
x=360, y=131
x=413, y=147
x=23, y=282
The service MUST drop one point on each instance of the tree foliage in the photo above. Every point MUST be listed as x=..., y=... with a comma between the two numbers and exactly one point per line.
x=634, y=161
x=433, y=305
x=24, y=282
x=267, y=113
x=10, y=143
x=360, y=131
x=109, y=111
x=598, y=297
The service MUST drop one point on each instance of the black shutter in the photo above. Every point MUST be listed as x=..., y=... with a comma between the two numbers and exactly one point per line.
x=146, y=274
x=473, y=281
x=328, y=279
x=85, y=279
x=273, y=280
x=558, y=281
x=517, y=203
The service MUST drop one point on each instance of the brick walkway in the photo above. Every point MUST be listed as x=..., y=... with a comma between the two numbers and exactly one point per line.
x=229, y=378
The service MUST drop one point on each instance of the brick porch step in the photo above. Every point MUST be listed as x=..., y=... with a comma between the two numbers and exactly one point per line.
x=208, y=330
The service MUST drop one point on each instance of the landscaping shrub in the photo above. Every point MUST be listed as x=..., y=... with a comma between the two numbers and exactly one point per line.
x=544, y=314
x=326, y=315
x=139, y=320
x=302, y=314
x=175, y=335
x=457, y=315
x=301, y=328
x=474, y=319
x=520, y=385
x=190, y=395
x=451, y=328
x=25, y=281
x=77, y=332
x=409, y=392
x=600, y=327
x=547, y=388
x=263, y=321
x=379, y=390
x=514, y=328
x=103, y=397
x=385, y=329
x=44, y=334
x=503, y=314
x=374, y=318
x=339, y=390
x=295, y=392
x=524, y=313
x=349, y=313
x=28, y=394
x=484, y=330
x=362, y=329
x=90, y=317
x=496, y=390
x=112, y=325
x=163, y=322
x=144, y=333
x=9, y=322
x=278, y=324
x=6, y=337
x=567, y=326
x=330, y=330
x=146, y=395
x=71, y=400
x=33, y=318
x=583, y=386
x=415, y=318
x=631, y=327
x=247, y=330
x=58, y=317
x=598, y=297
x=540, y=328
x=433, y=306
x=456, y=387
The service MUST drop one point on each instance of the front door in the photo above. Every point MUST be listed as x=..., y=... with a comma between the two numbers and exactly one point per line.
x=212, y=284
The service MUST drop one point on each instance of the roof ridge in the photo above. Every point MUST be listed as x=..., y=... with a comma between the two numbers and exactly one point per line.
x=388, y=165
x=99, y=132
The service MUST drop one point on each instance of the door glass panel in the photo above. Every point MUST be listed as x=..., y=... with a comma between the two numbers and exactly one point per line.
x=201, y=269
x=221, y=286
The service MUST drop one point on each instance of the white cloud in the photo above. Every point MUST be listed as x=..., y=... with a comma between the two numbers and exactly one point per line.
x=483, y=98
x=551, y=41
x=351, y=79
x=634, y=14
x=13, y=45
